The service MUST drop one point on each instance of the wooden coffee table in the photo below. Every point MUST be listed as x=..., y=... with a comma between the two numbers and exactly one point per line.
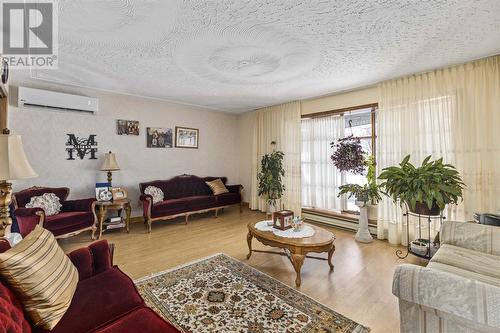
x=296, y=249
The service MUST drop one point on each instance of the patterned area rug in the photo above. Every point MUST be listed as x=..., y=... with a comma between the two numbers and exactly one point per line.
x=221, y=294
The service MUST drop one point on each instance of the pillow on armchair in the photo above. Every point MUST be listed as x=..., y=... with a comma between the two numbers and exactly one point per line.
x=49, y=202
x=155, y=192
x=42, y=275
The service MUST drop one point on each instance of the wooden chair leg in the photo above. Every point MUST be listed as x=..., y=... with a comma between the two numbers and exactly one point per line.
x=216, y=213
x=186, y=219
x=149, y=225
x=94, y=228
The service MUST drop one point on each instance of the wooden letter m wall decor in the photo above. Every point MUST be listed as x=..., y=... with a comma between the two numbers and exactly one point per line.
x=81, y=147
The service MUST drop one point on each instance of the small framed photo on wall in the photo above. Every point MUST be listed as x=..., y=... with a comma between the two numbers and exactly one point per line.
x=127, y=127
x=186, y=137
x=157, y=137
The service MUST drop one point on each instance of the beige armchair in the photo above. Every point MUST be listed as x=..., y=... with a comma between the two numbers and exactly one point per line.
x=459, y=290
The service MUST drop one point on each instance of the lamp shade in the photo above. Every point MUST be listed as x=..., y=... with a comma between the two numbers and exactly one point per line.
x=13, y=162
x=110, y=163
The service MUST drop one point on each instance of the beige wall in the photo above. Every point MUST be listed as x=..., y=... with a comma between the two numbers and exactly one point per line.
x=362, y=96
x=44, y=136
x=225, y=140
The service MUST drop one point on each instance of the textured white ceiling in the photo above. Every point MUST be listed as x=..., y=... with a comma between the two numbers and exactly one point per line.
x=238, y=55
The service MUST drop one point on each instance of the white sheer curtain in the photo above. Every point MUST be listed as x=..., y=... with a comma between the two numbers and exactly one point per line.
x=320, y=178
x=280, y=123
x=452, y=113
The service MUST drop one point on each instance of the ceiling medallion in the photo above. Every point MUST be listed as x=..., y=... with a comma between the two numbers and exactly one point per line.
x=253, y=57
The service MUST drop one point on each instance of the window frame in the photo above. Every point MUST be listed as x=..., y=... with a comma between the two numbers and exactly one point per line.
x=373, y=137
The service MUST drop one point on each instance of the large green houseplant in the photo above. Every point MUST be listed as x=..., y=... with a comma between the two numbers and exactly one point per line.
x=270, y=178
x=426, y=189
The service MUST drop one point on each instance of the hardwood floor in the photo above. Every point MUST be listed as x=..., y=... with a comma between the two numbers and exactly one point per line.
x=359, y=288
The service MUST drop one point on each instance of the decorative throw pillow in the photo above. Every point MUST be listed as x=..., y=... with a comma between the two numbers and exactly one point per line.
x=42, y=275
x=49, y=202
x=217, y=186
x=155, y=192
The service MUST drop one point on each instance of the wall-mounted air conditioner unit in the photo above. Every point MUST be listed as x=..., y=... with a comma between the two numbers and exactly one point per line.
x=29, y=97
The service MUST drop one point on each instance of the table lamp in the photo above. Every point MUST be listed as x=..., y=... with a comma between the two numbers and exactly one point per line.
x=13, y=165
x=109, y=165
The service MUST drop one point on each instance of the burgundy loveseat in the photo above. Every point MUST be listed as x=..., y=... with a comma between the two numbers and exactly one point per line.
x=185, y=195
x=105, y=301
x=75, y=216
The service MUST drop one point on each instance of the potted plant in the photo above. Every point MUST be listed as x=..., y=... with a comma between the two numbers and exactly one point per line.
x=426, y=189
x=270, y=178
x=367, y=196
x=348, y=155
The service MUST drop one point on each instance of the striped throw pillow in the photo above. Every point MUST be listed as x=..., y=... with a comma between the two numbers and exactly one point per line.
x=42, y=275
x=217, y=186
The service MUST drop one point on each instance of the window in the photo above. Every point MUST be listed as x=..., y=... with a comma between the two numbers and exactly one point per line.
x=320, y=179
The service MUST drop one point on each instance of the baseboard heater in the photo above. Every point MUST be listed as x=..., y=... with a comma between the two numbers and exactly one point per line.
x=335, y=221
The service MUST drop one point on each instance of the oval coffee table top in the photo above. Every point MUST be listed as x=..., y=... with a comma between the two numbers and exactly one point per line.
x=320, y=237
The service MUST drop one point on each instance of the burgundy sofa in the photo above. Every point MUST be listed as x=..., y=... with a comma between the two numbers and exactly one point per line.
x=75, y=216
x=185, y=195
x=105, y=301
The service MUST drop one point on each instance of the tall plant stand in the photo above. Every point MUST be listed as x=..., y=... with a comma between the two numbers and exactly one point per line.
x=363, y=235
x=423, y=221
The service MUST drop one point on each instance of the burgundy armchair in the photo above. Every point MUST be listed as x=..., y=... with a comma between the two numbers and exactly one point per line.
x=105, y=301
x=75, y=216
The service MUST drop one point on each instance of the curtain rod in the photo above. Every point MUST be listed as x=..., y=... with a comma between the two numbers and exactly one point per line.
x=339, y=111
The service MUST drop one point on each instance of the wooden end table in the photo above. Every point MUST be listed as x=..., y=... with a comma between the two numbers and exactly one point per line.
x=296, y=249
x=103, y=207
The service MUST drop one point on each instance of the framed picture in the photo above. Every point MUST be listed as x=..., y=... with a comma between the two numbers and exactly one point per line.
x=157, y=137
x=118, y=193
x=102, y=192
x=186, y=137
x=127, y=127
